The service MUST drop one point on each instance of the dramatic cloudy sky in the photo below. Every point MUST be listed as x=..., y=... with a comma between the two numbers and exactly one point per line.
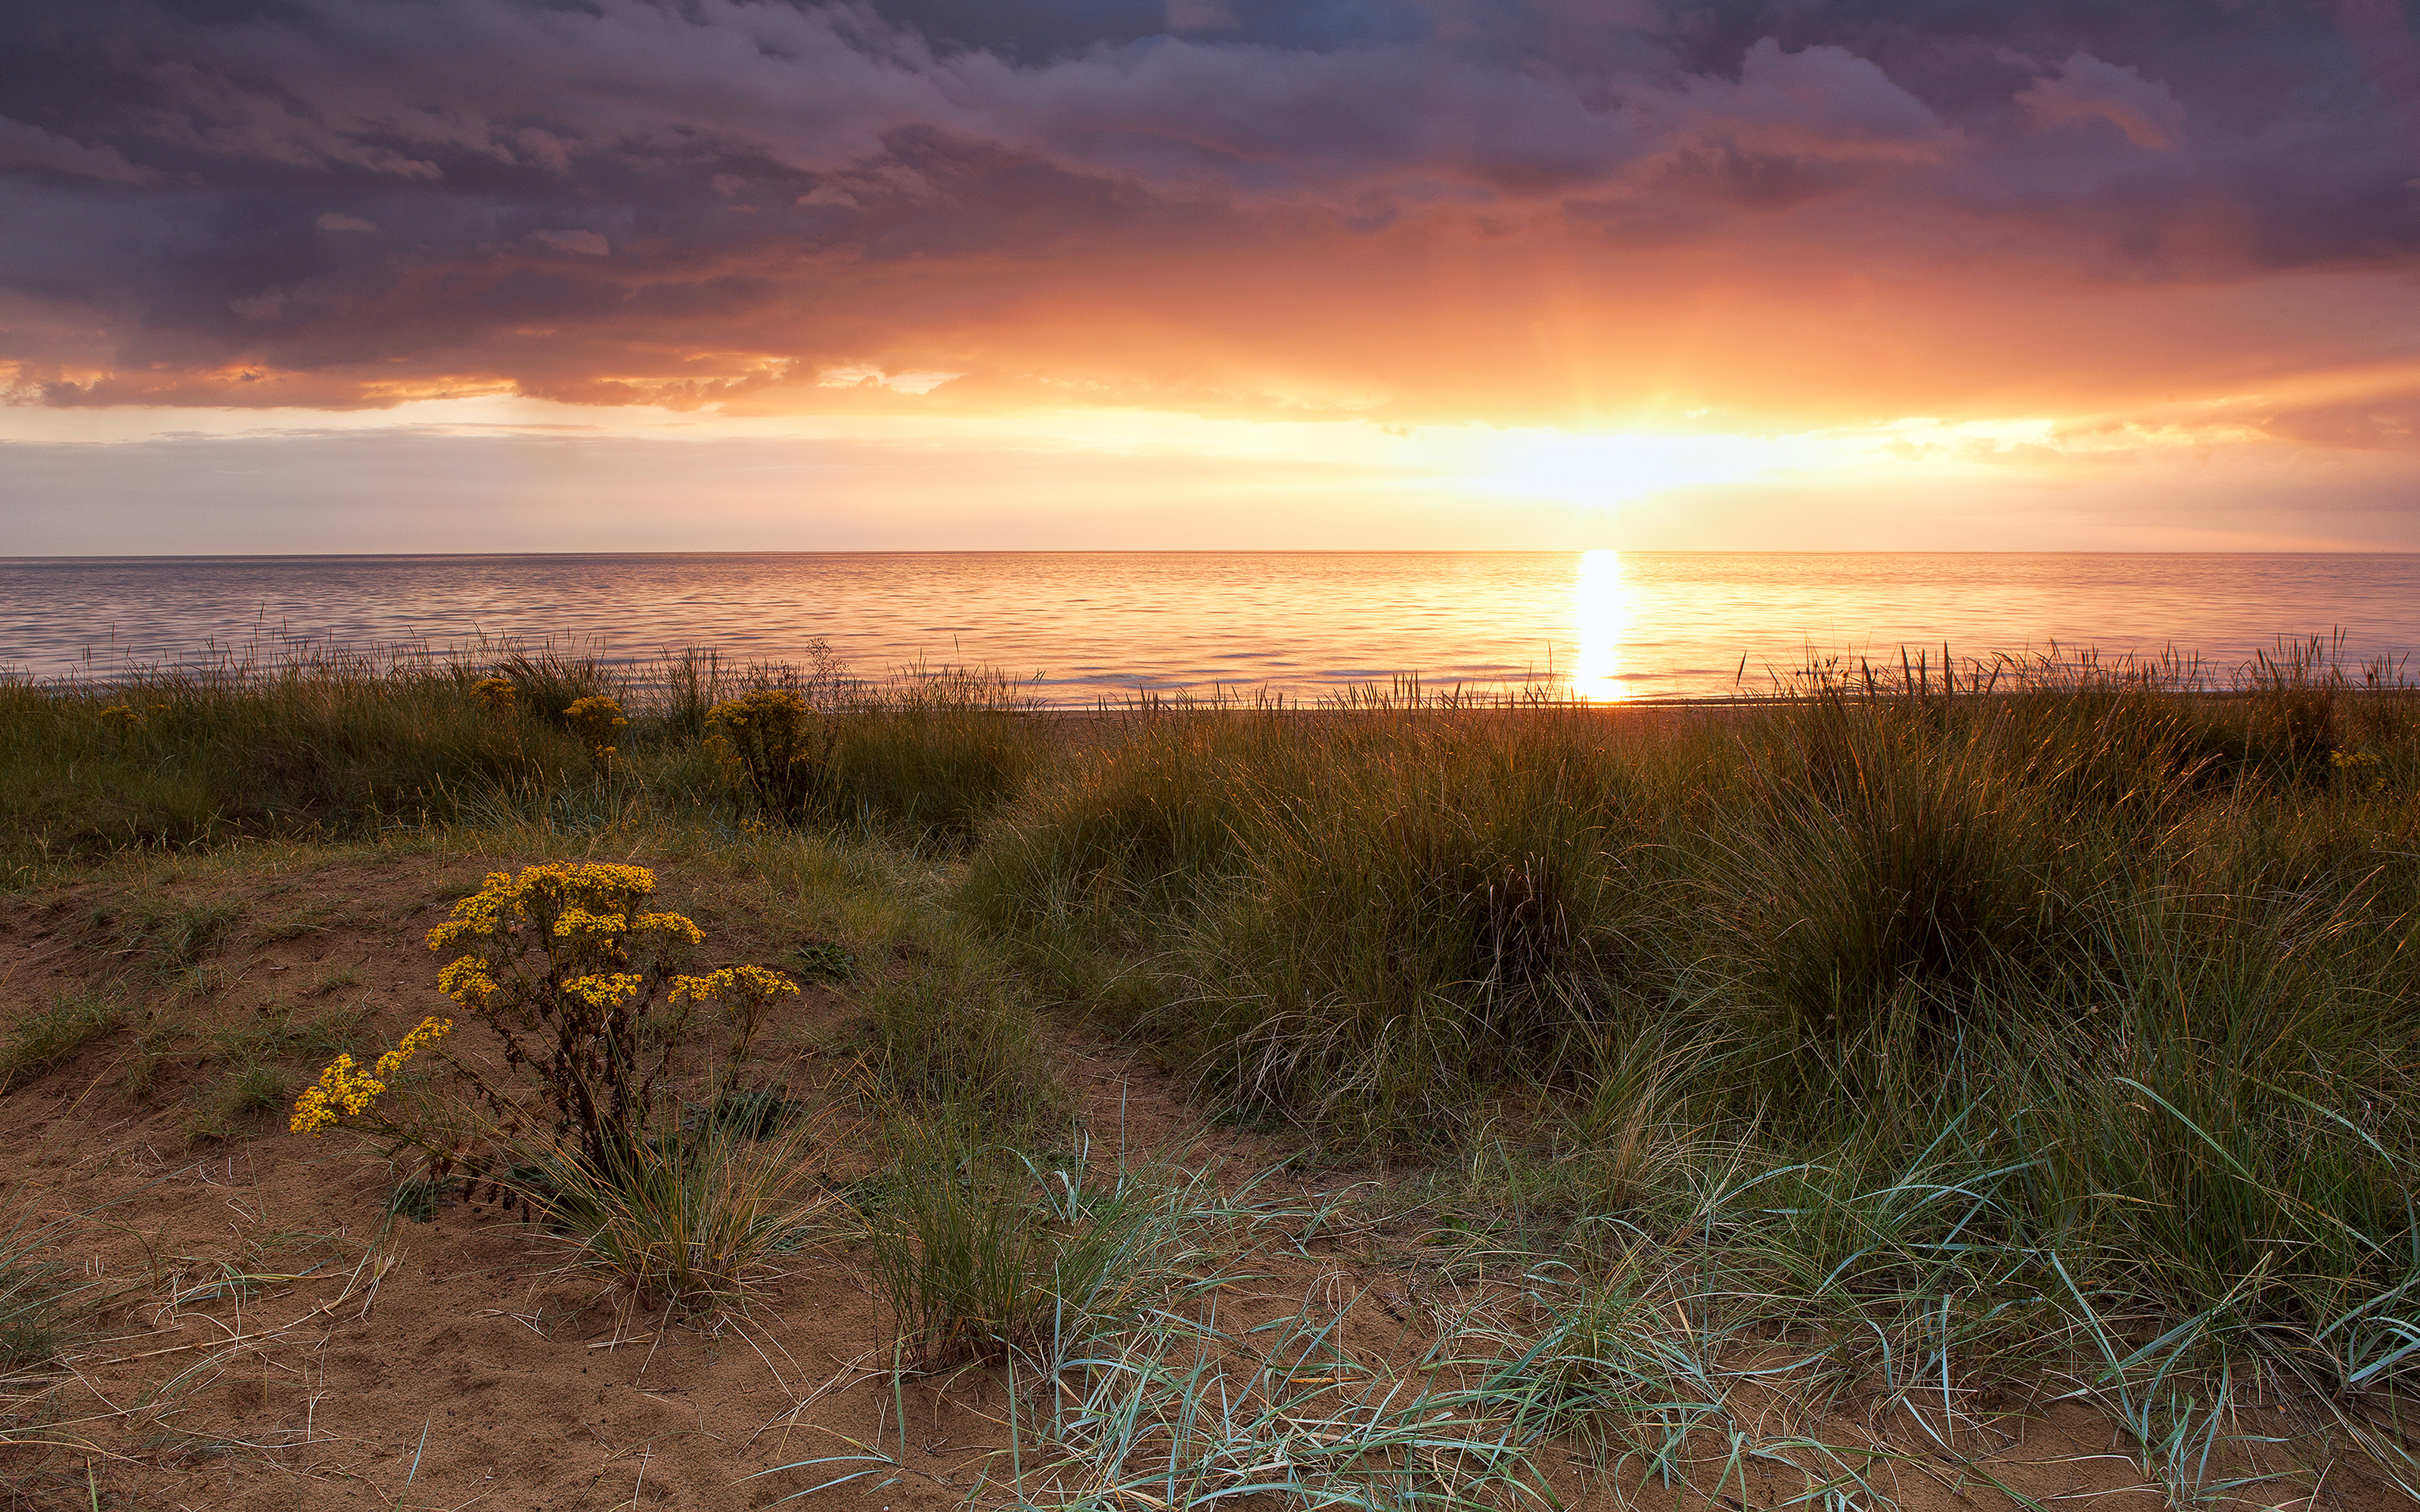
x=454, y=274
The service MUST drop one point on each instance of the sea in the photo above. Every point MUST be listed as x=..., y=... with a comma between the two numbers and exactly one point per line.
x=1079, y=628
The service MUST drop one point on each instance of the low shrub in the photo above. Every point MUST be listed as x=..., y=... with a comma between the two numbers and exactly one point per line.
x=777, y=749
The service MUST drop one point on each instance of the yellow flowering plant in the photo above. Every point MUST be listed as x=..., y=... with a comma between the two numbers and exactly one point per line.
x=495, y=694
x=348, y=1096
x=2354, y=764
x=594, y=719
x=745, y=993
x=567, y=965
x=774, y=746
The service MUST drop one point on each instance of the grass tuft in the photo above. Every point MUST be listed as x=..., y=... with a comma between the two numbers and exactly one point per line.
x=698, y=1225
x=980, y=1255
x=44, y=1036
x=38, y=1314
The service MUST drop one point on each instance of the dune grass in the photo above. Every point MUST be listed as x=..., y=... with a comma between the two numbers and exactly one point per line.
x=2009, y=1013
x=697, y=1224
x=54, y=1030
x=331, y=745
x=2057, y=1025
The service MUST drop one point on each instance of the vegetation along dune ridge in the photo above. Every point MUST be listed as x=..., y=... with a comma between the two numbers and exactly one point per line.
x=526, y=1080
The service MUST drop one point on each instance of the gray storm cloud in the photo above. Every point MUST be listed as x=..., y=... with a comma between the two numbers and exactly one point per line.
x=321, y=200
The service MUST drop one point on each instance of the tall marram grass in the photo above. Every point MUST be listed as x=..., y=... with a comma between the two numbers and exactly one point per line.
x=981, y=1253
x=334, y=745
x=320, y=743
x=2071, y=992
x=699, y=1225
x=1368, y=917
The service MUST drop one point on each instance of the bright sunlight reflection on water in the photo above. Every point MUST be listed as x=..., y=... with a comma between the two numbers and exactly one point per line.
x=1598, y=621
x=1073, y=628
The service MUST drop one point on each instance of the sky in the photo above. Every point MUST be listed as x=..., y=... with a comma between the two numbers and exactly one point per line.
x=459, y=275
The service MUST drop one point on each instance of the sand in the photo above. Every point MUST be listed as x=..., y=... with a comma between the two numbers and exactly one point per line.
x=272, y=1338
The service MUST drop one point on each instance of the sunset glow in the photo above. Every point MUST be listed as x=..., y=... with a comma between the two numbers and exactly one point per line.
x=922, y=275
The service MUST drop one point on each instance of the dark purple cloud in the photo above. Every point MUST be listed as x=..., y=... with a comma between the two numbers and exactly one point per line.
x=340, y=201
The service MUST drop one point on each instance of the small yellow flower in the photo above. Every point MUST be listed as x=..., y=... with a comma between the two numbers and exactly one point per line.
x=577, y=922
x=604, y=889
x=733, y=981
x=759, y=980
x=777, y=708
x=603, y=990
x=454, y=930
x=467, y=981
x=675, y=925
x=311, y=1113
x=594, y=719
x=494, y=693
x=343, y=1089
x=430, y=1030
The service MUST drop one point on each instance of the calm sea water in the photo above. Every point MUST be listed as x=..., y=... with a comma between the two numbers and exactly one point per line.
x=1084, y=626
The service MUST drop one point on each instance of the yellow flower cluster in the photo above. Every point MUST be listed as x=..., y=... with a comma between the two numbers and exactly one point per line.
x=603, y=990
x=594, y=719
x=675, y=925
x=591, y=887
x=577, y=922
x=495, y=694
x=2349, y=762
x=121, y=717
x=776, y=708
x=733, y=981
x=467, y=982
x=429, y=1031
x=343, y=1089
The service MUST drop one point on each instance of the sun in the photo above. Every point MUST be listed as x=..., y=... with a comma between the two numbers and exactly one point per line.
x=1614, y=468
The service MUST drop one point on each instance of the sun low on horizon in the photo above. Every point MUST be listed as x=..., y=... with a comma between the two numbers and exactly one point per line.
x=752, y=275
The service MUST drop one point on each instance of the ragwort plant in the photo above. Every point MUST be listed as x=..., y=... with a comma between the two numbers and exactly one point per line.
x=585, y=990
x=595, y=719
x=564, y=965
x=775, y=747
